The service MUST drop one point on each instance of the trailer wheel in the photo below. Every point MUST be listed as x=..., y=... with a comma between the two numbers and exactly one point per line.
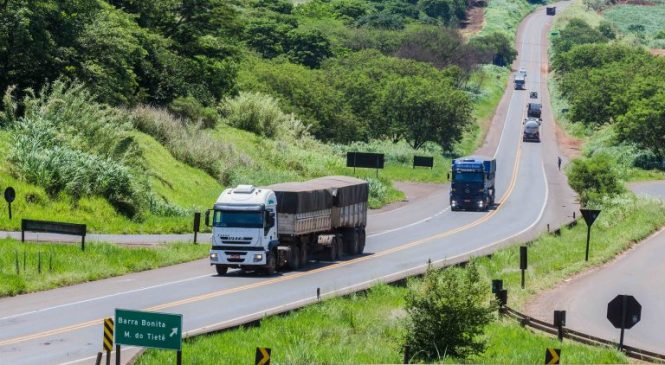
x=303, y=254
x=294, y=258
x=332, y=250
x=221, y=269
x=271, y=264
x=362, y=236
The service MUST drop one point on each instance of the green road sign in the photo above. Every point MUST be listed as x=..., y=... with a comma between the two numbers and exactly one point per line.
x=148, y=329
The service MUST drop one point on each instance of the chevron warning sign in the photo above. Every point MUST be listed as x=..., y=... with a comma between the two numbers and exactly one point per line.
x=108, y=334
x=262, y=356
x=552, y=356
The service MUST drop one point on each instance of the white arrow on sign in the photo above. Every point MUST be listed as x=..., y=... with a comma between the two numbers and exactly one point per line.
x=174, y=331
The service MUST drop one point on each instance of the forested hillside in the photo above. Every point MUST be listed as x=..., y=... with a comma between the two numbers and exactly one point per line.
x=128, y=115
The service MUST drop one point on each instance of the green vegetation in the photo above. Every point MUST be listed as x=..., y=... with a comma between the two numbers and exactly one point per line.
x=594, y=178
x=129, y=117
x=447, y=313
x=365, y=328
x=643, y=23
x=611, y=91
x=63, y=265
x=503, y=16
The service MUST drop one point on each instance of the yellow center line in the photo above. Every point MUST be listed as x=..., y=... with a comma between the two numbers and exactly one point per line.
x=198, y=298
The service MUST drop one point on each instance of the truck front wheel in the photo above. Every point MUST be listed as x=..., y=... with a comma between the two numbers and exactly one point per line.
x=271, y=264
x=221, y=269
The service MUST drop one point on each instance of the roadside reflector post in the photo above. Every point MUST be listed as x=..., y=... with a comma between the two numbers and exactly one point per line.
x=590, y=216
x=552, y=356
x=559, y=322
x=107, y=338
x=318, y=293
x=99, y=358
x=523, y=262
x=407, y=354
x=502, y=298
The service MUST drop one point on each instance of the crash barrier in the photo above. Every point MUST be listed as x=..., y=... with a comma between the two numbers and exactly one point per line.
x=28, y=225
x=537, y=324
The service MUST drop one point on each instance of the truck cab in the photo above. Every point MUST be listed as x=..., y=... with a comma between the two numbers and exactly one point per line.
x=472, y=183
x=520, y=81
x=531, y=130
x=244, y=228
x=534, y=110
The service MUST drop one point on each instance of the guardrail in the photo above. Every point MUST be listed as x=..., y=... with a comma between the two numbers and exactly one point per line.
x=543, y=326
x=28, y=225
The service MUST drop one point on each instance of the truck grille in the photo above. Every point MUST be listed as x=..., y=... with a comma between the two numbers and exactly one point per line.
x=227, y=240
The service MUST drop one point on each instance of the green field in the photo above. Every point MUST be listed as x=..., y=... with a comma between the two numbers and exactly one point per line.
x=367, y=328
x=65, y=264
x=643, y=23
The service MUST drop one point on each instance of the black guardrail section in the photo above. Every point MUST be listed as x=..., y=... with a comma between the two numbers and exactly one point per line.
x=537, y=324
x=28, y=225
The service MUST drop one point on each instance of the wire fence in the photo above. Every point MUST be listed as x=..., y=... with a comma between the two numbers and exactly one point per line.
x=537, y=324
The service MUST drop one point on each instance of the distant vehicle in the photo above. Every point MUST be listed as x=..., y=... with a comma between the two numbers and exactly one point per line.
x=522, y=71
x=550, y=10
x=472, y=184
x=534, y=110
x=520, y=81
x=282, y=225
x=533, y=95
x=531, y=130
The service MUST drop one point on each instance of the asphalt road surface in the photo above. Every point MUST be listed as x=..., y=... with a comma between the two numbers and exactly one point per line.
x=64, y=325
x=639, y=272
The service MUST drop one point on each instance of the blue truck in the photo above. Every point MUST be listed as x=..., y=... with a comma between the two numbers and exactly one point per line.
x=472, y=183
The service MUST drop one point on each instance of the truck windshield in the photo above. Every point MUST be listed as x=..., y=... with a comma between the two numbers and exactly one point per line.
x=238, y=219
x=468, y=176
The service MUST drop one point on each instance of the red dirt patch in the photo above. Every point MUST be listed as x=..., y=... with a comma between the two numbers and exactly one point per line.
x=571, y=147
x=657, y=51
x=475, y=19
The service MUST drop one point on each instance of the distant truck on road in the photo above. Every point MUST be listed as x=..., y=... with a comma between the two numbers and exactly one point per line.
x=520, y=80
x=472, y=184
x=283, y=225
x=531, y=130
x=534, y=110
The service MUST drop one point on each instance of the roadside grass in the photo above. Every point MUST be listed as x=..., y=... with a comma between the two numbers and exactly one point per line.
x=65, y=264
x=504, y=15
x=175, y=182
x=364, y=328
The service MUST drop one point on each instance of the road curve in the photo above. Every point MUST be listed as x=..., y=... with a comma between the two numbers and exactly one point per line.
x=64, y=325
x=639, y=272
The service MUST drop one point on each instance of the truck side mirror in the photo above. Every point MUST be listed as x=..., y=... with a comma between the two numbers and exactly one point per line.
x=271, y=219
x=207, y=218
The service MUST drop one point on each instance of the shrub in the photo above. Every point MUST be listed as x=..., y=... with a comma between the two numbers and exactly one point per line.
x=447, y=313
x=381, y=20
x=192, y=109
x=253, y=112
x=595, y=178
x=185, y=140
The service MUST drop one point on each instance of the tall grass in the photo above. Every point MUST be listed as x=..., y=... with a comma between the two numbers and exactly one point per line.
x=63, y=265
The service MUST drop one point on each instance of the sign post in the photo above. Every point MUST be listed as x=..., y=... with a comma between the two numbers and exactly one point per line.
x=197, y=225
x=590, y=216
x=148, y=329
x=523, y=262
x=10, y=195
x=559, y=323
x=624, y=311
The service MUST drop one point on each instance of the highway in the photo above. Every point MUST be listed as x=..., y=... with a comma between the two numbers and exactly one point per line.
x=64, y=325
x=638, y=272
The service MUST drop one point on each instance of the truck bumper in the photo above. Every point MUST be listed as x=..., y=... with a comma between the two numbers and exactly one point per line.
x=237, y=258
x=470, y=203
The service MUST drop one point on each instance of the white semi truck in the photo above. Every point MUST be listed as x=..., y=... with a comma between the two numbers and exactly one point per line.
x=284, y=225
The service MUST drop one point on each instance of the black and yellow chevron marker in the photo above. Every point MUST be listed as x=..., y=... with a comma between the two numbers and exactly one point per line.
x=262, y=356
x=552, y=356
x=108, y=334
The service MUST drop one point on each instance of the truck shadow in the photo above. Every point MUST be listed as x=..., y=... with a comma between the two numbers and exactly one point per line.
x=313, y=264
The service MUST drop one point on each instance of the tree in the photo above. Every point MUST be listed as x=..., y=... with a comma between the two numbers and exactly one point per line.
x=308, y=48
x=644, y=124
x=440, y=47
x=577, y=31
x=421, y=110
x=594, y=178
x=267, y=36
x=494, y=48
x=447, y=314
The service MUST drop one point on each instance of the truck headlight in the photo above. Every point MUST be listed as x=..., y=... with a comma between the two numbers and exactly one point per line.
x=480, y=203
x=258, y=257
x=213, y=256
x=453, y=203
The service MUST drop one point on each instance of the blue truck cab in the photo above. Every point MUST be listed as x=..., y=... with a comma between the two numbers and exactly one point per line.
x=472, y=183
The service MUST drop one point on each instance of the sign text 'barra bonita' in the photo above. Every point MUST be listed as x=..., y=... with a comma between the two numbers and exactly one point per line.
x=148, y=329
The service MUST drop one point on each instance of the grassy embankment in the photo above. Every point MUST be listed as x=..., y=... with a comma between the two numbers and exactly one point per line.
x=594, y=139
x=641, y=24
x=367, y=328
x=63, y=265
